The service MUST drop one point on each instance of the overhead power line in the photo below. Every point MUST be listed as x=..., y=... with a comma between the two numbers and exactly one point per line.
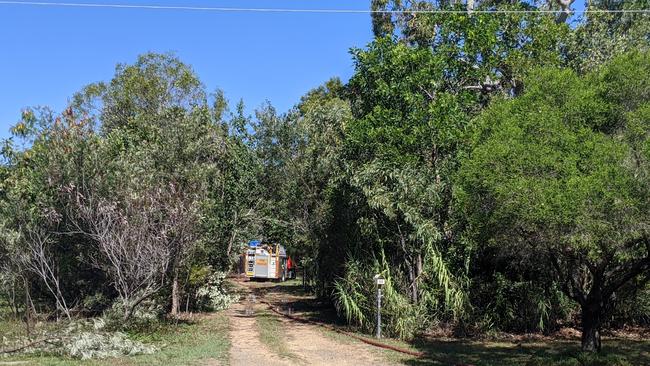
x=294, y=10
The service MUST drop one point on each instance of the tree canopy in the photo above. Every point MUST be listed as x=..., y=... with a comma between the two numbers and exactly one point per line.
x=561, y=173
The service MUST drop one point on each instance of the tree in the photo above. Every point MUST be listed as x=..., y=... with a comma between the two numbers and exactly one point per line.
x=411, y=102
x=145, y=90
x=416, y=21
x=34, y=207
x=157, y=121
x=133, y=242
x=399, y=150
x=137, y=183
x=561, y=173
x=318, y=122
x=598, y=37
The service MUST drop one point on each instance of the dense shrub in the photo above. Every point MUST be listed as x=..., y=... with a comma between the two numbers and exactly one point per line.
x=212, y=295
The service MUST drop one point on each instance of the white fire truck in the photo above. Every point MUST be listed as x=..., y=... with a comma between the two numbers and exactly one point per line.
x=269, y=261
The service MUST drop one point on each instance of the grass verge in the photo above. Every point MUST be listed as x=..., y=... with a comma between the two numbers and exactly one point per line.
x=485, y=353
x=616, y=352
x=203, y=341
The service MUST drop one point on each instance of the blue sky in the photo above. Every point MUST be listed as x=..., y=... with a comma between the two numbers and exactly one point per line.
x=48, y=53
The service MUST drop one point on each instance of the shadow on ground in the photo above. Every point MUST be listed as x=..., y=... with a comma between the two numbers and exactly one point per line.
x=291, y=297
x=557, y=352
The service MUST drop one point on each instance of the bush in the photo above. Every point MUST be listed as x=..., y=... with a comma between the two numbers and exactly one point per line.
x=145, y=316
x=82, y=339
x=96, y=303
x=212, y=295
x=355, y=294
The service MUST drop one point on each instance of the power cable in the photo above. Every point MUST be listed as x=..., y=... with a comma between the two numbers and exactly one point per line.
x=322, y=11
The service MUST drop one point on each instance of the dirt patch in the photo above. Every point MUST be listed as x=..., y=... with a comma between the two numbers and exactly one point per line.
x=306, y=343
x=312, y=346
x=246, y=346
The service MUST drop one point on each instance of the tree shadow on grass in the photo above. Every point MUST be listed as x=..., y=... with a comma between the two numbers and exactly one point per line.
x=465, y=351
x=556, y=352
x=471, y=353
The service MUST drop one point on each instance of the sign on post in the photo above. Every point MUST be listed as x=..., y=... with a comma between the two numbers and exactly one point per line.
x=379, y=281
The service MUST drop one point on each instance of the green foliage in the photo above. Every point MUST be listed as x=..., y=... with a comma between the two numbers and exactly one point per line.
x=601, y=36
x=518, y=304
x=161, y=161
x=151, y=86
x=212, y=295
x=554, y=174
x=492, y=188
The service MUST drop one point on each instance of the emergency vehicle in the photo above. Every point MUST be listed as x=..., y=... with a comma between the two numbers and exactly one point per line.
x=267, y=261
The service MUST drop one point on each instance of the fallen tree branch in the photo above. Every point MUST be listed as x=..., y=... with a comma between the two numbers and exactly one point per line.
x=18, y=349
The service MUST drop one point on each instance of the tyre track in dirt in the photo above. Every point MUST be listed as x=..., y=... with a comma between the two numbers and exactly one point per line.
x=315, y=348
x=307, y=344
x=246, y=347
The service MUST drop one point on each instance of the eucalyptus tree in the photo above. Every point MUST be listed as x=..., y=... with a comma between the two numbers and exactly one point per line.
x=156, y=118
x=318, y=119
x=560, y=174
x=58, y=152
x=592, y=39
x=145, y=89
x=416, y=22
x=138, y=183
x=411, y=100
x=274, y=141
x=232, y=216
x=599, y=36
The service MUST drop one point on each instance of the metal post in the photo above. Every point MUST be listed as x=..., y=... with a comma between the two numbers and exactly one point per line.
x=378, y=311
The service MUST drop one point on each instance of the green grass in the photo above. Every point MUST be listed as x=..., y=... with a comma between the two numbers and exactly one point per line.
x=484, y=353
x=616, y=352
x=11, y=328
x=272, y=333
x=203, y=342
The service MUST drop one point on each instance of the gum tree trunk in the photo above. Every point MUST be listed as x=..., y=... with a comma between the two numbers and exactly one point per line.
x=591, y=322
x=175, y=300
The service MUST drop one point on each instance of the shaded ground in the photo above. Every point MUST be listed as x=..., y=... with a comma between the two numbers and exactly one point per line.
x=314, y=345
x=535, y=353
x=269, y=339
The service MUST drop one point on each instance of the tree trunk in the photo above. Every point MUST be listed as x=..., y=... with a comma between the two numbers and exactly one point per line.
x=414, y=290
x=232, y=237
x=175, y=300
x=591, y=321
x=418, y=272
x=28, y=313
x=415, y=270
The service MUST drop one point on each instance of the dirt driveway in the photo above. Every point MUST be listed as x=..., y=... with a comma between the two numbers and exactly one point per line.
x=302, y=344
